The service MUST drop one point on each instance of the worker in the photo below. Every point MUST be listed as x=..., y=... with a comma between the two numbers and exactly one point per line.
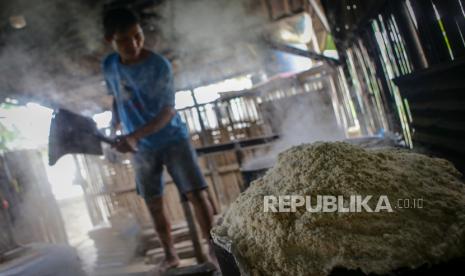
x=141, y=83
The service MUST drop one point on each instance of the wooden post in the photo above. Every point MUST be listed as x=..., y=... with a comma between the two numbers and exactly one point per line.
x=407, y=28
x=211, y=165
x=429, y=32
x=451, y=17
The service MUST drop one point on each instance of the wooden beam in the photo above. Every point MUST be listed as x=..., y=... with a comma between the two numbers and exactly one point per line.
x=198, y=251
x=299, y=52
x=320, y=14
x=451, y=15
x=407, y=28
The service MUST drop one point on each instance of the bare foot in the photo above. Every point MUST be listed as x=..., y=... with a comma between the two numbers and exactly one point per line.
x=168, y=263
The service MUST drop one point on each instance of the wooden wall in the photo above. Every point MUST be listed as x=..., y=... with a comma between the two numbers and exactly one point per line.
x=437, y=103
x=34, y=214
x=402, y=60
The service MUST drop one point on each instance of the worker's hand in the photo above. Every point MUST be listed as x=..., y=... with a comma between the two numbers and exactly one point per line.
x=114, y=129
x=125, y=144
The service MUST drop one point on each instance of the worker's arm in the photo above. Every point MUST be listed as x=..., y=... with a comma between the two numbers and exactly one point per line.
x=157, y=123
x=129, y=142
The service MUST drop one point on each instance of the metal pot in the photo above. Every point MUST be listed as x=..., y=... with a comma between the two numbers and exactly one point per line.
x=231, y=264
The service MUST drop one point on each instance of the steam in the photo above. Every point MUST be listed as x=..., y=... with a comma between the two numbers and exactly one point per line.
x=205, y=24
x=44, y=61
x=206, y=35
x=304, y=119
x=307, y=122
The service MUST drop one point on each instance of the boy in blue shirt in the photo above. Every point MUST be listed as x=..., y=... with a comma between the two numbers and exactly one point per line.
x=141, y=83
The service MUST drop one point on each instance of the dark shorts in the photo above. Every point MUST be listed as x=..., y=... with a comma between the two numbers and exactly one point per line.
x=180, y=160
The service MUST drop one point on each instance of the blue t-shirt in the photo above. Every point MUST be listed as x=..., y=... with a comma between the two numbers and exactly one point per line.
x=141, y=91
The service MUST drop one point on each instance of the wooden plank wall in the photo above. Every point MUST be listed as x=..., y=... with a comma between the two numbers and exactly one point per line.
x=8, y=194
x=35, y=215
x=437, y=102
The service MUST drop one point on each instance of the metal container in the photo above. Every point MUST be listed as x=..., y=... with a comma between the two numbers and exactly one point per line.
x=250, y=175
x=226, y=260
x=231, y=264
x=256, y=169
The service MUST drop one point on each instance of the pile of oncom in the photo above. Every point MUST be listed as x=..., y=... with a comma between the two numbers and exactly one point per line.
x=308, y=243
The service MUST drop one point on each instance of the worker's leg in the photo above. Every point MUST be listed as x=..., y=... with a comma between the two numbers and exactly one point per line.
x=163, y=229
x=203, y=211
x=149, y=171
x=181, y=162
